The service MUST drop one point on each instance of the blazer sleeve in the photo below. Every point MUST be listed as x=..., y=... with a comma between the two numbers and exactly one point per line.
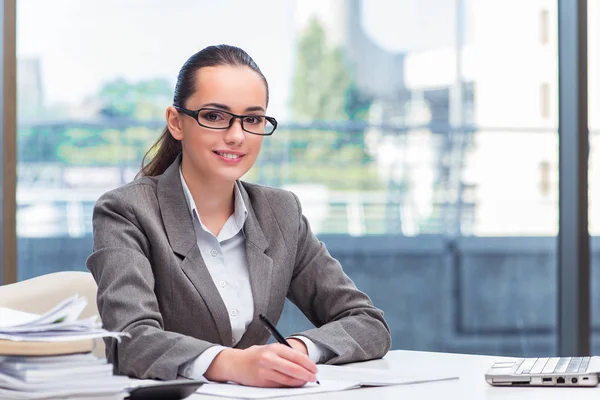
x=126, y=298
x=347, y=322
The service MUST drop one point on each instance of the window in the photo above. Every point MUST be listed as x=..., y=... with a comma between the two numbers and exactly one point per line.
x=415, y=151
x=544, y=27
x=594, y=164
x=545, y=100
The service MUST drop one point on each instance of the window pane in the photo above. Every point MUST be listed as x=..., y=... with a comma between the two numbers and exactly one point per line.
x=594, y=165
x=423, y=145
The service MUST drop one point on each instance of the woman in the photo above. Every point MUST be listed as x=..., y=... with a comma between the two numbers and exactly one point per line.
x=187, y=256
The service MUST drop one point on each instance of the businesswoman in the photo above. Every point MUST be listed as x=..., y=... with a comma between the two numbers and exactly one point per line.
x=187, y=256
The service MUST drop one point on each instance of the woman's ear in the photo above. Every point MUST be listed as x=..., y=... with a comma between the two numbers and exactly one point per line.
x=174, y=123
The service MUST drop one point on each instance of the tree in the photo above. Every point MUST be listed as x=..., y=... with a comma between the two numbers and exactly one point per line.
x=324, y=89
x=322, y=78
x=144, y=100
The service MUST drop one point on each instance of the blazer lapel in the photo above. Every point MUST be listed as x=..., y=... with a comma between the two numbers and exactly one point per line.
x=195, y=269
x=182, y=238
x=260, y=268
x=174, y=210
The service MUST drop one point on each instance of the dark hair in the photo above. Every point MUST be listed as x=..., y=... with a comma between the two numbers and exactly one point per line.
x=167, y=147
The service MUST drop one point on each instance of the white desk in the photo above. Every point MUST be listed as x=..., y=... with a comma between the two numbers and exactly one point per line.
x=471, y=385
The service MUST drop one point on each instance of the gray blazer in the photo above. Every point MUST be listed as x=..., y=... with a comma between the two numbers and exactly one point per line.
x=153, y=283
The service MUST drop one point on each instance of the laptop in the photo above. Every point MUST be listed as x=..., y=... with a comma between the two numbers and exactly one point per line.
x=549, y=371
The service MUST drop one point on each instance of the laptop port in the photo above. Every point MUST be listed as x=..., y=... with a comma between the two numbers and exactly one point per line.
x=560, y=380
x=544, y=380
x=574, y=380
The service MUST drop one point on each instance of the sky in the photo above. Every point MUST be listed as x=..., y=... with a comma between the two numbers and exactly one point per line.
x=83, y=43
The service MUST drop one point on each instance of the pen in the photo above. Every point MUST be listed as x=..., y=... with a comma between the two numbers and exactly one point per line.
x=278, y=336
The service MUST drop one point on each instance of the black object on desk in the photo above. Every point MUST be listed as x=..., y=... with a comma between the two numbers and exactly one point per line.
x=278, y=336
x=167, y=390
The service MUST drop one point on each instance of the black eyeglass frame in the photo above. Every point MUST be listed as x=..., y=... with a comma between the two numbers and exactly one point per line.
x=194, y=114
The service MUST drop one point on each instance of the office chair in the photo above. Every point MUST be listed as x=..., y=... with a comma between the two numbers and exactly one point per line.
x=38, y=295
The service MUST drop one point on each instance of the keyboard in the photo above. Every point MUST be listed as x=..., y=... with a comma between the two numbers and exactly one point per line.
x=553, y=365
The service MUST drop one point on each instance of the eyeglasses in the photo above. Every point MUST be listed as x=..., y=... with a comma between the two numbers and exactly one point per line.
x=213, y=118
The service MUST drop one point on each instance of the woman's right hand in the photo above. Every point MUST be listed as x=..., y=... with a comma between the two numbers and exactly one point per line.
x=271, y=365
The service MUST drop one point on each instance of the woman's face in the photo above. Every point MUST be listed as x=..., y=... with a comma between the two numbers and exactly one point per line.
x=229, y=153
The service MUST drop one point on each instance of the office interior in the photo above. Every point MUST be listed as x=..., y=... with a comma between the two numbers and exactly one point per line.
x=445, y=151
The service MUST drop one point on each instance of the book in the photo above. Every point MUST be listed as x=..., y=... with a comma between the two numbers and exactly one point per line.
x=19, y=363
x=36, y=374
x=38, y=348
x=112, y=383
x=71, y=358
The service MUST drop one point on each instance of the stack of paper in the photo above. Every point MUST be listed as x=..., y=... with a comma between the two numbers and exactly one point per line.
x=60, y=324
x=49, y=355
x=76, y=375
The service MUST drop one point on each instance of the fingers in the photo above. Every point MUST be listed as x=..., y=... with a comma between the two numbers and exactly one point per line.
x=276, y=379
x=273, y=365
x=293, y=367
x=295, y=357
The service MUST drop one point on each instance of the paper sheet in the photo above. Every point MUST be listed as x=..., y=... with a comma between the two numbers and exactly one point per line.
x=57, y=325
x=67, y=311
x=332, y=378
x=372, y=377
x=10, y=317
x=246, y=392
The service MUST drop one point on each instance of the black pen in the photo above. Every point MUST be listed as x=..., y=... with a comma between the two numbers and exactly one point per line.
x=278, y=336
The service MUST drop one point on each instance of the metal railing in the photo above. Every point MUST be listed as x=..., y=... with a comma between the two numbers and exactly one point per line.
x=46, y=212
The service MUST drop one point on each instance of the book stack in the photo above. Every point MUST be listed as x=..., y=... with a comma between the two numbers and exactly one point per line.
x=50, y=356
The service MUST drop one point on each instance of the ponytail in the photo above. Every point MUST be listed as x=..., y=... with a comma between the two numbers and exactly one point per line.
x=167, y=149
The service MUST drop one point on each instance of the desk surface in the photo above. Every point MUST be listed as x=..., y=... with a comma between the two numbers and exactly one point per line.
x=471, y=383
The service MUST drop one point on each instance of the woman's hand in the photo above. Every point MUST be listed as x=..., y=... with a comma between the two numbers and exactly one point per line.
x=298, y=345
x=272, y=365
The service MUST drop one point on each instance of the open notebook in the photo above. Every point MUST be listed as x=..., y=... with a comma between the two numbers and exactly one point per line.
x=332, y=378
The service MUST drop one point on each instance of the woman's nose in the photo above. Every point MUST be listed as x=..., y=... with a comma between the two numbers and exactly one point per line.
x=235, y=134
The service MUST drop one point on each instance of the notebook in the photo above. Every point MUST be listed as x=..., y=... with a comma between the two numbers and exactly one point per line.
x=332, y=378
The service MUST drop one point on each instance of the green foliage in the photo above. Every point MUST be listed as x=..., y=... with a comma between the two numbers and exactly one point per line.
x=325, y=90
x=85, y=146
x=324, y=82
x=144, y=100
x=73, y=144
x=321, y=78
x=286, y=160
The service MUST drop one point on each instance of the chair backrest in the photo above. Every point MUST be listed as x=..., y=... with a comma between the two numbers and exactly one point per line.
x=40, y=294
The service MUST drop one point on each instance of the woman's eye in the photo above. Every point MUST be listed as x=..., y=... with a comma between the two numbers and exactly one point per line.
x=213, y=117
x=253, y=120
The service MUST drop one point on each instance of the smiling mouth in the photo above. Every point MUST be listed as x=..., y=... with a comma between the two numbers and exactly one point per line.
x=228, y=155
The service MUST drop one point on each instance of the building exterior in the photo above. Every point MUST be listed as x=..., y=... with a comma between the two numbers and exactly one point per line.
x=481, y=114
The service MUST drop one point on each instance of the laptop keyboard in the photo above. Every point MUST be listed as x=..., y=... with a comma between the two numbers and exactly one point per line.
x=553, y=365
